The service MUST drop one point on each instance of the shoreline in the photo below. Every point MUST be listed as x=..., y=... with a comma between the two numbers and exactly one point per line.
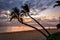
x=22, y=28
x=26, y=35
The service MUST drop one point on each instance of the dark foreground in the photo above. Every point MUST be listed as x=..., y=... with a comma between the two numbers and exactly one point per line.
x=55, y=36
x=25, y=35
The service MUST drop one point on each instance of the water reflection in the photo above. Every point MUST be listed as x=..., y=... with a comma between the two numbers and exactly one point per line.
x=21, y=28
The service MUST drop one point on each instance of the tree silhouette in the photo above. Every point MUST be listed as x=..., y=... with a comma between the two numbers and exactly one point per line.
x=51, y=36
x=16, y=13
x=27, y=10
x=58, y=25
x=58, y=4
x=55, y=36
x=28, y=24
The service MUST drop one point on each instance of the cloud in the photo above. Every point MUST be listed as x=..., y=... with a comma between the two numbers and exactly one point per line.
x=8, y=4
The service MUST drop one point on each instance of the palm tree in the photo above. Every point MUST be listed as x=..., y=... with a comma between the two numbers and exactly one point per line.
x=59, y=19
x=58, y=25
x=26, y=9
x=16, y=13
x=30, y=25
x=58, y=4
x=39, y=24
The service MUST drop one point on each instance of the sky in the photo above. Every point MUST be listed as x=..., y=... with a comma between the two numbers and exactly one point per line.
x=39, y=8
x=51, y=12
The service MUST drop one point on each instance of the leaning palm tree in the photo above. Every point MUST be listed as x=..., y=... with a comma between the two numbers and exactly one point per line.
x=26, y=9
x=58, y=4
x=14, y=13
x=26, y=23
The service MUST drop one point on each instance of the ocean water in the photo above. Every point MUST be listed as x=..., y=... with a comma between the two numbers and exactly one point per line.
x=21, y=28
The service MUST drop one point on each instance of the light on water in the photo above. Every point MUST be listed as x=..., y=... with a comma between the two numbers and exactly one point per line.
x=21, y=28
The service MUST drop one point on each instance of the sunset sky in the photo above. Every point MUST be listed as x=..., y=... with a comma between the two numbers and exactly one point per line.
x=51, y=12
x=39, y=8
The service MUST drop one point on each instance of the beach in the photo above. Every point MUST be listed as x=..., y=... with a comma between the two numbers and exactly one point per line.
x=26, y=35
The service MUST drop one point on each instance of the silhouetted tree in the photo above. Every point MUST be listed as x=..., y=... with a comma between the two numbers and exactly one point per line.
x=54, y=36
x=23, y=12
x=58, y=4
x=28, y=24
x=27, y=10
x=58, y=25
x=16, y=12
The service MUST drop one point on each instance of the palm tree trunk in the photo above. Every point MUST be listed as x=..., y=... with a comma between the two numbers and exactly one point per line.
x=39, y=24
x=31, y=26
x=34, y=28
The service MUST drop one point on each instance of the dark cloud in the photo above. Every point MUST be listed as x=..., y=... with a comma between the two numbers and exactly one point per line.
x=8, y=4
x=39, y=4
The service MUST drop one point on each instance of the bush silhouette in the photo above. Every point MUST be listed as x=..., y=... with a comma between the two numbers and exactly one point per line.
x=55, y=36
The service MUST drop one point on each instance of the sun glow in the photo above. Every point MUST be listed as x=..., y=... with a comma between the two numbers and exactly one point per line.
x=8, y=12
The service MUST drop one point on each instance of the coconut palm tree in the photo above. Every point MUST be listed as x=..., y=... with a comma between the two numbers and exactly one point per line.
x=58, y=25
x=28, y=24
x=58, y=4
x=26, y=9
x=15, y=13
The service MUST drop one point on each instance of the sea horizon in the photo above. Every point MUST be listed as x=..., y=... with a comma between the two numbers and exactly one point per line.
x=20, y=28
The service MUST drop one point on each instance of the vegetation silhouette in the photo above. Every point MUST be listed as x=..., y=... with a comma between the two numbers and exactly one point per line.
x=28, y=24
x=55, y=36
x=58, y=25
x=58, y=4
x=27, y=10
